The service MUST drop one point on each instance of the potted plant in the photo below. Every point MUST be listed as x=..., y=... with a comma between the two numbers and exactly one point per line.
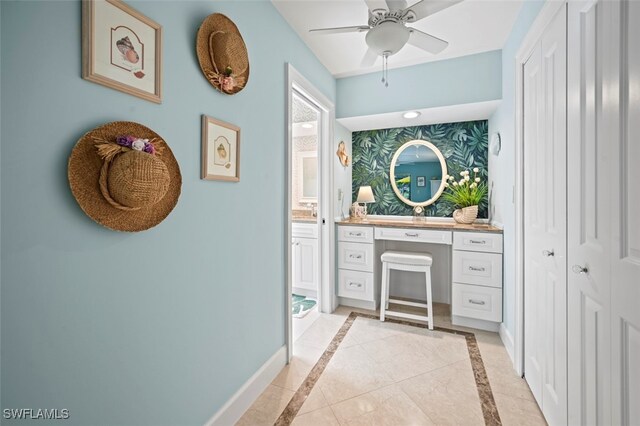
x=465, y=194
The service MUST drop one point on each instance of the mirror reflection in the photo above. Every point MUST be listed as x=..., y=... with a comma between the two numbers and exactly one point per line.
x=416, y=173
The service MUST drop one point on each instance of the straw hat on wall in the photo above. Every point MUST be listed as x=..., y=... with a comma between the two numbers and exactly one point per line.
x=124, y=176
x=222, y=54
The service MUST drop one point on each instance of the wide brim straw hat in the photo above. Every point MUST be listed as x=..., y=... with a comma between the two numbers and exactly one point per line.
x=219, y=46
x=121, y=188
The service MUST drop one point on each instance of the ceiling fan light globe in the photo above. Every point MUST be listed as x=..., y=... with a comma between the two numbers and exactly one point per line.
x=387, y=38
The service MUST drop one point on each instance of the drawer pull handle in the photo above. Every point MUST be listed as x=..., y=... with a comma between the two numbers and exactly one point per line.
x=352, y=284
x=478, y=241
x=410, y=235
x=355, y=234
x=548, y=253
x=476, y=269
x=355, y=256
x=476, y=302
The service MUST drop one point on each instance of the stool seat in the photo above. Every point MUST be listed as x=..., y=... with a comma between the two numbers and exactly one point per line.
x=407, y=258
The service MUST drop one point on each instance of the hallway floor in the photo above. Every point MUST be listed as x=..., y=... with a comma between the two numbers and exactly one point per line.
x=352, y=369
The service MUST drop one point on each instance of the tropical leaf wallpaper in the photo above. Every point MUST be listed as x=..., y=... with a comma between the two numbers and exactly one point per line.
x=464, y=146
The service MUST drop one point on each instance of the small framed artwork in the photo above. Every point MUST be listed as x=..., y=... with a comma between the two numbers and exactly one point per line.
x=121, y=49
x=421, y=181
x=220, y=150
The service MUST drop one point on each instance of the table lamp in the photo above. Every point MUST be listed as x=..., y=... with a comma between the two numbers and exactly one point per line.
x=365, y=195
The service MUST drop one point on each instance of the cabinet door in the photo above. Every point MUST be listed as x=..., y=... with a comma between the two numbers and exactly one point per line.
x=305, y=263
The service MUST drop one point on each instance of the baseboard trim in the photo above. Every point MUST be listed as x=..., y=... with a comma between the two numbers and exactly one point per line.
x=240, y=402
x=507, y=341
x=475, y=323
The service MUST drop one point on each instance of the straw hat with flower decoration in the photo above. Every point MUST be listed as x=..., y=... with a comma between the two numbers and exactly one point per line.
x=222, y=54
x=124, y=176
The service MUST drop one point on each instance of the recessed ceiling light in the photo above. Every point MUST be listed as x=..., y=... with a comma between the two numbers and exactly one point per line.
x=411, y=114
x=307, y=126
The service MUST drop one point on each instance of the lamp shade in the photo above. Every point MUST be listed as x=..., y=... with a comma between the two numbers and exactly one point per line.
x=365, y=195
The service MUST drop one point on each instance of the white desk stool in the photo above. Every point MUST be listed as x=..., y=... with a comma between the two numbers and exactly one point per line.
x=405, y=261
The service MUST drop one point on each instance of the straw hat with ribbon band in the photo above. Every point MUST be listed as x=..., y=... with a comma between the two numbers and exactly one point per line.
x=222, y=54
x=124, y=176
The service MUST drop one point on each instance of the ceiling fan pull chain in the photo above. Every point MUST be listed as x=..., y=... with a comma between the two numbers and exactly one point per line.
x=386, y=70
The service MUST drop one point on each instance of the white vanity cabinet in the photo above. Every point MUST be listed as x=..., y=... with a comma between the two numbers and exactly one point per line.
x=477, y=280
x=467, y=265
x=304, y=251
x=356, y=265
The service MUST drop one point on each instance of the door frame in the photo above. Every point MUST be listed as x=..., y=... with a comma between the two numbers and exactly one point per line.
x=544, y=18
x=326, y=224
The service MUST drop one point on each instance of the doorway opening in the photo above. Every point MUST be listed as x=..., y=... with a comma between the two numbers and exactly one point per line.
x=306, y=132
x=309, y=263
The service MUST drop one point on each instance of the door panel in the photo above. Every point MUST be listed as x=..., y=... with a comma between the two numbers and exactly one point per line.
x=545, y=145
x=534, y=213
x=625, y=253
x=589, y=204
x=554, y=66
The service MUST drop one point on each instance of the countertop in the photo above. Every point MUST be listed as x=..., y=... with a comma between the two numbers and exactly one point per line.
x=422, y=223
x=304, y=219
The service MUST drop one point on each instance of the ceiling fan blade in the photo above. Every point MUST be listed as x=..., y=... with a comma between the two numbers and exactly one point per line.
x=369, y=59
x=340, y=30
x=396, y=4
x=426, y=41
x=425, y=8
x=376, y=5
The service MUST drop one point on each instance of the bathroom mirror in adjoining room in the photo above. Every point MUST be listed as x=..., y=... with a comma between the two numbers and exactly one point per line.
x=416, y=173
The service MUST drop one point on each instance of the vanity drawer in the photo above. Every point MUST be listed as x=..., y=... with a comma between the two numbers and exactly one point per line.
x=355, y=284
x=356, y=234
x=355, y=256
x=471, y=267
x=412, y=234
x=477, y=241
x=304, y=230
x=478, y=302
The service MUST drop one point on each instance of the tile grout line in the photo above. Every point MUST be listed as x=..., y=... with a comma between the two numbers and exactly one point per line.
x=487, y=402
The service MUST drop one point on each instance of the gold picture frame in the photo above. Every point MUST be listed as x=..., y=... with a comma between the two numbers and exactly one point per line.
x=121, y=49
x=220, y=150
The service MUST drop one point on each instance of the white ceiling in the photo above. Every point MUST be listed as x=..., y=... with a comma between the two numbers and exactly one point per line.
x=472, y=26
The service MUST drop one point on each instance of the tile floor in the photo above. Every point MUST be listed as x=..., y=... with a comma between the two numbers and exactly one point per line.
x=392, y=374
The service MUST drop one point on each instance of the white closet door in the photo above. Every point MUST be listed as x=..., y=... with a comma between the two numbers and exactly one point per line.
x=625, y=222
x=554, y=69
x=545, y=221
x=590, y=132
x=534, y=216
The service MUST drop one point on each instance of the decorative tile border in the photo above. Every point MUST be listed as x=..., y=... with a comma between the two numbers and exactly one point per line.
x=487, y=402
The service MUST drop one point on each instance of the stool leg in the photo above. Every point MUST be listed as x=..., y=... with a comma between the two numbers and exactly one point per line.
x=429, y=298
x=383, y=289
x=388, y=282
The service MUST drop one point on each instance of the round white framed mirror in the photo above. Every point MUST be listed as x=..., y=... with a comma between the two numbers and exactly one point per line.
x=416, y=173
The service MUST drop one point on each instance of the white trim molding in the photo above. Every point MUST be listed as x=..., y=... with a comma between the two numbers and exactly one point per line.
x=507, y=340
x=240, y=402
x=326, y=233
x=543, y=19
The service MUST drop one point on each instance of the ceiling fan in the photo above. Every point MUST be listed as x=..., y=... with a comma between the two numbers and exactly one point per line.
x=387, y=31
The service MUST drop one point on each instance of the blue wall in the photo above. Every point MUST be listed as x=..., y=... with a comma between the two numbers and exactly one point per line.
x=473, y=78
x=163, y=326
x=502, y=168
